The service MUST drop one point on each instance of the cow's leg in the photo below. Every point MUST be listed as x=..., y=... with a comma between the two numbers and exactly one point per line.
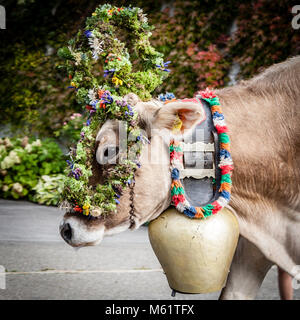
x=247, y=271
x=275, y=234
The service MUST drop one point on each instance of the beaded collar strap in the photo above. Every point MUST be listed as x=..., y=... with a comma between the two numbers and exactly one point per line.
x=225, y=163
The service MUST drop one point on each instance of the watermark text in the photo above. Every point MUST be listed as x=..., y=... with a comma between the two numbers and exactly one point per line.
x=2, y=18
x=296, y=279
x=2, y=278
x=296, y=19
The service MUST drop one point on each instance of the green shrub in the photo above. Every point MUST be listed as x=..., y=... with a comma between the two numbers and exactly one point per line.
x=23, y=162
x=49, y=189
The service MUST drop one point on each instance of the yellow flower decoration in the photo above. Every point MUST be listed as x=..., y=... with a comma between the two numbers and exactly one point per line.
x=116, y=81
x=177, y=125
x=86, y=208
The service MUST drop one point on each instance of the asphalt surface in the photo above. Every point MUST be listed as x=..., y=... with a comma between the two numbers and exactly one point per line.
x=39, y=265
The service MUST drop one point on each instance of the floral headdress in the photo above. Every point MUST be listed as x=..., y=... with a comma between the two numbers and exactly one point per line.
x=101, y=73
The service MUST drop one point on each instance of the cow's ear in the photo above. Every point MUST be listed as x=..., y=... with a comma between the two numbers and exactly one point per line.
x=179, y=116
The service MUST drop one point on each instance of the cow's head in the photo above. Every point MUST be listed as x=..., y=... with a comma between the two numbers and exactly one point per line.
x=151, y=193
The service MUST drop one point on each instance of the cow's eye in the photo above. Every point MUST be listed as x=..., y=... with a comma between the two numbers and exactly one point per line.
x=110, y=152
x=107, y=155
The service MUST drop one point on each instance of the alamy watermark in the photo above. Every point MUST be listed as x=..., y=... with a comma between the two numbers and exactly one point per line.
x=296, y=279
x=2, y=18
x=115, y=148
x=296, y=19
x=2, y=278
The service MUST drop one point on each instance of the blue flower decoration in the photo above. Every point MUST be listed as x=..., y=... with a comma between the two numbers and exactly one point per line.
x=88, y=33
x=70, y=164
x=167, y=96
x=108, y=72
x=162, y=97
x=170, y=96
x=164, y=66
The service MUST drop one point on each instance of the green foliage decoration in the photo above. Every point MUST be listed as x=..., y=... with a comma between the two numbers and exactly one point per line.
x=101, y=72
x=98, y=48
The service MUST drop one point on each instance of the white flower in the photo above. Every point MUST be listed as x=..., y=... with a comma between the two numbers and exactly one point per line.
x=92, y=96
x=7, y=142
x=96, y=45
x=17, y=187
x=37, y=143
x=10, y=160
x=77, y=57
x=13, y=156
x=142, y=16
x=28, y=148
x=96, y=212
x=5, y=188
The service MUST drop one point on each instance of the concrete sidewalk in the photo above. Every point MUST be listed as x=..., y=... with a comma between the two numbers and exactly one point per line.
x=40, y=265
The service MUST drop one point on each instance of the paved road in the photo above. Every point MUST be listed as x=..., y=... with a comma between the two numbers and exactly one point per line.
x=40, y=265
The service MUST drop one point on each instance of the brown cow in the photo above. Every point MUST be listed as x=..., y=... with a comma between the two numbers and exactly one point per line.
x=264, y=122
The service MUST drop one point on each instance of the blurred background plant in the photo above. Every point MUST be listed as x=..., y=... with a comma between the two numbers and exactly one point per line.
x=48, y=189
x=30, y=168
x=210, y=43
x=68, y=133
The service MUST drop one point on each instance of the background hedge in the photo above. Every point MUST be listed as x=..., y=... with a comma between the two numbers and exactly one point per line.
x=194, y=35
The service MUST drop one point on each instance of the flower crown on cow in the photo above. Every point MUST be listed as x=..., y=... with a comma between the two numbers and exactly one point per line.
x=101, y=71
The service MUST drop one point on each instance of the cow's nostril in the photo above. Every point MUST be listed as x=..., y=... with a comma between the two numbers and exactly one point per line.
x=66, y=232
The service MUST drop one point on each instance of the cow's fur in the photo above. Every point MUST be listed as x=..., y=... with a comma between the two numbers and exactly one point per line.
x=264, y=123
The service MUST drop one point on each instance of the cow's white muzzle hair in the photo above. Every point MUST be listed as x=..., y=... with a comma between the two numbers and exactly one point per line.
x=77, y=234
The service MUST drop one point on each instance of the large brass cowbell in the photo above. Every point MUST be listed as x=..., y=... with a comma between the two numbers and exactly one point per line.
x=195, y=254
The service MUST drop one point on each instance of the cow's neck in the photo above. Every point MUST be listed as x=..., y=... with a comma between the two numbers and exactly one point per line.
x=264, y=146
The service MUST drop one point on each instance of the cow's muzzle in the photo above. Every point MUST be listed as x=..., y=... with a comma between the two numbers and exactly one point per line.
x=77, y=233
x=66, y=231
